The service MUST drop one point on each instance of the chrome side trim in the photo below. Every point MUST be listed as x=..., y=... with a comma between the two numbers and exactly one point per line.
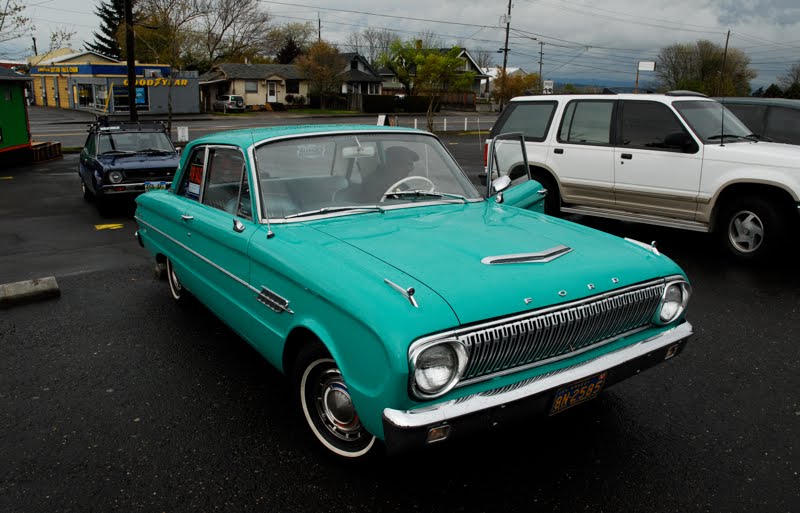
x=442, y=412
x=525, y=258
x=636, y=217
x=219, y=268
x=406, y=293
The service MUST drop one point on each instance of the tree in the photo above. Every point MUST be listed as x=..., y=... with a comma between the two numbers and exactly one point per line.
x=439, y=72
x=323, y=65
x=509, y=86
x=698, y=67
x=303, y=35
x=232, y=30
x=773, y=91
x=371, y=43
x=792, y=92
x=13, y=22
x=401, y=61
x=483, y=57
x=289, y=52
x=112, y=15
x=758, y=93
x=791, y=77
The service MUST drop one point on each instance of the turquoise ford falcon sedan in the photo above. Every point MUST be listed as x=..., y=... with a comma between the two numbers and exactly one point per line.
x=405, y=307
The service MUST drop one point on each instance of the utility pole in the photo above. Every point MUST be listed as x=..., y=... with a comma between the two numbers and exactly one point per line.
x=129, y=49
x=505, y=47
x=541, y=60
x=722, y=72
x=35, y=51
x=319, y=27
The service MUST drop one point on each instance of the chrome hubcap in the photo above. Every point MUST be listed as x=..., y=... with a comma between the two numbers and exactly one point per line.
x=335, y=407
x=746, y=231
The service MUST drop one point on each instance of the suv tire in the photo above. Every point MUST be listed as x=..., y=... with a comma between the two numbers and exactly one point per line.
x=750, y=227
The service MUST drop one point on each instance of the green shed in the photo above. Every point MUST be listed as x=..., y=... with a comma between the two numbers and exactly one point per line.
x=14, y=129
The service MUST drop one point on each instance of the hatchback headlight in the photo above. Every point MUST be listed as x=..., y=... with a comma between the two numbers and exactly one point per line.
x=436, y=368
x=115, y=177
x=673, y=302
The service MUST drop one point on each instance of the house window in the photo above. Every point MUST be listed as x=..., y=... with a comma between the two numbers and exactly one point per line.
x=292, y=87
x=354, y=64
x=251, y=86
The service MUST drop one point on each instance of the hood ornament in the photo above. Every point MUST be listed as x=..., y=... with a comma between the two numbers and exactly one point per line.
x=539, y=257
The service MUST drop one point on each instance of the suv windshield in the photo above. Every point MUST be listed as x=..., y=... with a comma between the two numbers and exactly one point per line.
x=125, y=142
x=705, y=118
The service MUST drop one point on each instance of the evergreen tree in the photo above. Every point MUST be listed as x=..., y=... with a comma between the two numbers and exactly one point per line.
x=112, y=16
x=773, y=91
x=758, y=93
x=288, y=51
x=792, y=92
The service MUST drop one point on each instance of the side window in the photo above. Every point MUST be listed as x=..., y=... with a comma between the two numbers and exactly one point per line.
x=652, y=126
x=783, y=125
x=587, y=122
x=750, y=115
x=91, y=145
x=532, y=119
x=193, y=174
x=223, y=179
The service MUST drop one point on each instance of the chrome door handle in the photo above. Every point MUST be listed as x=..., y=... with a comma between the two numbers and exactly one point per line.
x=238, y=227
x=186, y=217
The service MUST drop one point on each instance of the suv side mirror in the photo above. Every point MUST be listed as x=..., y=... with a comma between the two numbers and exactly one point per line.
x=681, y=141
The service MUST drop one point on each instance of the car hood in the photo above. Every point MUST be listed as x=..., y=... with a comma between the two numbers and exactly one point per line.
x=755, y=153
x=138, y=161
x=443, y=248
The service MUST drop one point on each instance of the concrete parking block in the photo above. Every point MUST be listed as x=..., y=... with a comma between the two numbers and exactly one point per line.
x=28, y=291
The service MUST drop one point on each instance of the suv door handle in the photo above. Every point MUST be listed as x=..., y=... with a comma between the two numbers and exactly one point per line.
x=626, y=156
x=187, y=217
x=558, y=150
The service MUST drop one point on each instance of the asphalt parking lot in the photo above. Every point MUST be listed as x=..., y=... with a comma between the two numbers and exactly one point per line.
x=113, y=398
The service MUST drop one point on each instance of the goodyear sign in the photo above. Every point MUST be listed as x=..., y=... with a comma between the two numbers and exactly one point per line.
x=155, y=82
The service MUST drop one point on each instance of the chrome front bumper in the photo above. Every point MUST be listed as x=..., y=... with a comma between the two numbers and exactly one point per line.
x=128, y=188
x=405, y=429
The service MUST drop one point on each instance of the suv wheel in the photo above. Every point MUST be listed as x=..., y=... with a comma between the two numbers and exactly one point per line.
x=751, y=228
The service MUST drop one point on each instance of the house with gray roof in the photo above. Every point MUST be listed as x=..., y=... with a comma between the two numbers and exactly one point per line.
x=259, y=84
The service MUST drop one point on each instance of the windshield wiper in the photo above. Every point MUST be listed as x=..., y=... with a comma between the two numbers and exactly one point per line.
x=726, y=136
x=434, y=194
x=156, y=150
x=325, y=210
x=118, y=152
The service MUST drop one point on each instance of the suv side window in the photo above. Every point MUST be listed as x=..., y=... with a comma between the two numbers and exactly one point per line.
x=224, y=179
x=532, y=119
x=782, y=125
x=652, y=126
x=192, y=178
x=587, y=122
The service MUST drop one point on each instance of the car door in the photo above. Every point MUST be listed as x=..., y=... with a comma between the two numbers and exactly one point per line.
x=220, y=226
x=505, y=154
x=657, y=161
x=582, y=155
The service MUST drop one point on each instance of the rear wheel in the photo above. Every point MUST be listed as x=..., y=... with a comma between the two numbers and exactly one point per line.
x=751, y=227
x=179, y=293
x=326, y=405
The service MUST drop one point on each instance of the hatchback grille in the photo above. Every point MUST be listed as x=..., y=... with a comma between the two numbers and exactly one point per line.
x=149, y=174
x=559, y=332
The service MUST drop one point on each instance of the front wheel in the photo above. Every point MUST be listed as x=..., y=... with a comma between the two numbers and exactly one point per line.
x=751, y=228
x=326, y=405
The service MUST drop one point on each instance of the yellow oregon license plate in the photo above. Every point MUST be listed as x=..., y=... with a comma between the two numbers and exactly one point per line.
x=154, y=186
x=576, y=393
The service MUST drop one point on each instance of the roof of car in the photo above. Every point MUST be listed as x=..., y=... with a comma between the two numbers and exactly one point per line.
x=612, y=96
x=750, y=100
x=244, y=138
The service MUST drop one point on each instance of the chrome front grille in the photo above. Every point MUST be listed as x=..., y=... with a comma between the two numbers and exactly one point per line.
x=149, y=174
x=558, y=332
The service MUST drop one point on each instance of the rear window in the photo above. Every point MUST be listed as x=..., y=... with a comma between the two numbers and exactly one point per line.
x=532, y=119
x=237, y=98
x=587, y=122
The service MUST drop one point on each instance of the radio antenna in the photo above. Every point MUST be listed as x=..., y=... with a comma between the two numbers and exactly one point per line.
x=270, y=233
x=722, y=90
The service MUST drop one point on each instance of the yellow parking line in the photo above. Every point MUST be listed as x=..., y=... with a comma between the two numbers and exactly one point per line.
x=6, y=177
x=113, y=226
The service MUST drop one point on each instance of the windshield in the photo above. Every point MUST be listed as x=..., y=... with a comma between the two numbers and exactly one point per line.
x=705, y=118
x=346, y=173
x=127, y=142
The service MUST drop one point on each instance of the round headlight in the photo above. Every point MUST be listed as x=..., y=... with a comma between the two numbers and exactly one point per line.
x=437, y=368
x=673, y=302
x=115, y=177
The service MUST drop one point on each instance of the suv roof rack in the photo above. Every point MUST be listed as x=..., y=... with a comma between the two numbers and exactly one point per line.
x=685, y=93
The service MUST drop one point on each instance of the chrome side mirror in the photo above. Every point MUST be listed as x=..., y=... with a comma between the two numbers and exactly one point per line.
x=500, y=184
x=178, y=149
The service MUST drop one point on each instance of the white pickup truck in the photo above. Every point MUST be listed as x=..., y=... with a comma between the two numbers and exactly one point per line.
x=678, y=159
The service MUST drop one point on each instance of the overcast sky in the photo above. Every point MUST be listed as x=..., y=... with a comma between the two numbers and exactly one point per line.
x=584, y=40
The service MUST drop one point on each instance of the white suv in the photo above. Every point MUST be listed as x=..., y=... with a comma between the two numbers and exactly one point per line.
x=672, y=160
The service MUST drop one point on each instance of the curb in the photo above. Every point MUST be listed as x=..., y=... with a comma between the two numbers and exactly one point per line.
x=28, y=291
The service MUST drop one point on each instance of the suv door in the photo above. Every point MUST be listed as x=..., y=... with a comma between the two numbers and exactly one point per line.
x=657, y=161
x=582, y=155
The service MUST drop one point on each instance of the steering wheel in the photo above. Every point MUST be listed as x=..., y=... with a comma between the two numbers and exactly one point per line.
x=393, y=188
